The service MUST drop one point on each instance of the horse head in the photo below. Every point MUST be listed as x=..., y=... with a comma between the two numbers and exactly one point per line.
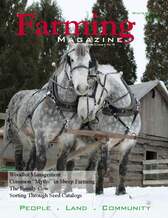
x=77, y=61
x=111, y=88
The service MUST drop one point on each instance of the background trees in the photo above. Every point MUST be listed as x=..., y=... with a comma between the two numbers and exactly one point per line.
x=11, y=60
x=25, y=62
x=120, y=56
x=156, y=38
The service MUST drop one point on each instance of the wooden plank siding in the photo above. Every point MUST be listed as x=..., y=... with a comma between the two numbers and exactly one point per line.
x=153, y=174
x=154, y=114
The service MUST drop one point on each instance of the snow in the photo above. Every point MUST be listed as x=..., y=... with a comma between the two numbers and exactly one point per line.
x=152, y=201
x=164, y=87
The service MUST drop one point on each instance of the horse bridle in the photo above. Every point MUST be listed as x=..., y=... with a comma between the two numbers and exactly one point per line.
x=69, y=77
x=74, y=68
x=52, y=89
x=103, y=86
x=119, y=98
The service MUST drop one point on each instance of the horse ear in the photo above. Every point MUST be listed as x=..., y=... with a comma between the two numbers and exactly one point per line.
x=121, y=73
x=89, y=41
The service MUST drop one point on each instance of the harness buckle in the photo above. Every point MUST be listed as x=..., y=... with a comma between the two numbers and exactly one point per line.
x=67, y=122
x=51, y=96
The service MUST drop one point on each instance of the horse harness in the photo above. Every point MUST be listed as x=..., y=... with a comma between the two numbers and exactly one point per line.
x=109, y=109
x=52, y=93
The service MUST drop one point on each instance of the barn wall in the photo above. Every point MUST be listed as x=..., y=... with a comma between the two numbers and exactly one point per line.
x=154, y=113
x=158, y=146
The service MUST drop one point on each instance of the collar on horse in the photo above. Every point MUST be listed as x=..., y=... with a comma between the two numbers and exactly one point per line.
x=53, y=94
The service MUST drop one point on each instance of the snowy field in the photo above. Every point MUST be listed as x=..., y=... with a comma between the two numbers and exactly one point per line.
x=150, y=202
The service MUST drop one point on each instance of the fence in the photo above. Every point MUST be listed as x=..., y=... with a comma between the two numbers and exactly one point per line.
x=155, y=172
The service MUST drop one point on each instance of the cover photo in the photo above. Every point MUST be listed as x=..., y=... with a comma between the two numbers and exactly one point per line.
x=83, y=108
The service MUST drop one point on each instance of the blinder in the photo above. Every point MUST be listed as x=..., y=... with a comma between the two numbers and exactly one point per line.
x=68, y=60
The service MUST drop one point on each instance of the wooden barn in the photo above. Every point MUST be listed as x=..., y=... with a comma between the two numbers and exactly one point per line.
x=148, y=161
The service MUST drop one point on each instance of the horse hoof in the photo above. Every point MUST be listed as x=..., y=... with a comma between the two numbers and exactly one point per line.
x=40, y=163
x=99, y=192
x=120, y=190
x=20, y=166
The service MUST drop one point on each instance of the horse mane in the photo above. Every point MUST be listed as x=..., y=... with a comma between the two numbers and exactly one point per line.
x=81, y=50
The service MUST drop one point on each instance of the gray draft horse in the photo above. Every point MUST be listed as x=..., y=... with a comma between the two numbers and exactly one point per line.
x=116, y=111
x=35, y=117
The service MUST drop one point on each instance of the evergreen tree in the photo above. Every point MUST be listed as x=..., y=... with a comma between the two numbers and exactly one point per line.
x=119, y=55
x=156, y=38
x=25, y=62
x=51, y=51
x=10, y=57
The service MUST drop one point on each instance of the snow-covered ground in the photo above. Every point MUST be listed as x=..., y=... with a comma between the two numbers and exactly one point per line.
x=150, y=202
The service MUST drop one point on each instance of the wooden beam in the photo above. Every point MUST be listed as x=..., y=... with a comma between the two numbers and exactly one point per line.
x=2, y=116
x=149, y=172
x=155, y=182
x=162, y=161
x=99, y=134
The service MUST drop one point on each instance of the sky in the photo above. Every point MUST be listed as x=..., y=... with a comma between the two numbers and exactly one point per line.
x=78, y=9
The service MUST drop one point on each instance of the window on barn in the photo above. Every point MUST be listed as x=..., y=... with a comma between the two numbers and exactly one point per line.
x=151, y=155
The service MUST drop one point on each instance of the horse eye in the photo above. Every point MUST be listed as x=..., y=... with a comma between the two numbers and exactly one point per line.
x=72, y=60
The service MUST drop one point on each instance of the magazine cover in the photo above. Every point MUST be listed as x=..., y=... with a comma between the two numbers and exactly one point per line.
x=83, y=108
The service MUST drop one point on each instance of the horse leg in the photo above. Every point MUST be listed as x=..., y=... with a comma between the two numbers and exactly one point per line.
x=40, y=152
x=61, y=163
x=92, y=166
x=31, y=164
x=60, y=166
x=101, y=170
x=69, y=168
x=19, y=157
x=120, y=190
